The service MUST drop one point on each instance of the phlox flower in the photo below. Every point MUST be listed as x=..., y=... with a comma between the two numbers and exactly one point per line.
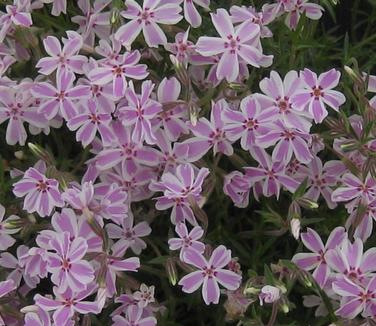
x=287, y=141
x=89, y=121
x=66, y=58
x=17, y=107
x=115, y=264
x=94, y=21
x=317, y=260
x=41, y=194
x=209, y=274
x=297, y=8
x=66, y=304
x=321, y=179
x=187, y=241
x=17, y=267
x=356, y=299
x=126, y=66
x=348, y=260
x=363, y=230
x=129, y=235
x=172, y=119
x=182, y=48
x=249, y=122
x=317, y=92
x=146, y=19
x=16, y=14
x=178, y=188
x=209, y=134
x=172, y=153
x=134, y=183
x=124, y=150
x=66, y=264
x=139, y=112
x=233, y=44
x=270, y=175
x=354, y=188
x=61, y=99
x=35, y=316
x=237, y=187
x=262, y=18
x=133, y=316
x=145, y=296
x=76, y=226
x=280, y=93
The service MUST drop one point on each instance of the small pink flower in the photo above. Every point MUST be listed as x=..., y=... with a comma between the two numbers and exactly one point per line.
x=126, y=66
x=298, y=7
x=250, y=122
x=317, y=259
x=354, y=188
x=262, y=18
x=129, y=234
x=60, y=99
x=233, y=44
x=287, y=141
x=171, y=119
x=66, y=264
x=17, y=14
x=139, y=112
x=187, y=241
x=209, y=134
x=129, y=153
x=209, y=274
x=145, y=296
x=317, y=92
x=17, y=107
x=89, y=121
x=237, y=187
x=177, y=188
x=182, y=48
x=115, y=264
x=66, y=304
x=134, y=316
x=146, y=19
x=348, y=260
x=270, y=175
x=94, y=22
x=66, y=59
x=356, y=298
x=41, y=194
x=280, y=92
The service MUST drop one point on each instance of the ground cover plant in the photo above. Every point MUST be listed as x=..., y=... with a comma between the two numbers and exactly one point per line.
x=187, y=162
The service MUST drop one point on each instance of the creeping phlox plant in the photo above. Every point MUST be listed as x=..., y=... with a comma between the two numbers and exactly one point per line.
x=159, y=157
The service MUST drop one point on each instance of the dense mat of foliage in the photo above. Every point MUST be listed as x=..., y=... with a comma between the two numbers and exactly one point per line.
x=187, y=162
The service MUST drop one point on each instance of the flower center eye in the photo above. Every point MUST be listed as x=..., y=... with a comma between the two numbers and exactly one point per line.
x=65, y=264
x=42, y=186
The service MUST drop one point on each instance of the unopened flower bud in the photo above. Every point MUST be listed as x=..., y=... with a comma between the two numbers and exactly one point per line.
x=41, y=153
x=19, y=155
x=307, y=203
x=269, y=294
x=170, y=267
x=295, y=227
